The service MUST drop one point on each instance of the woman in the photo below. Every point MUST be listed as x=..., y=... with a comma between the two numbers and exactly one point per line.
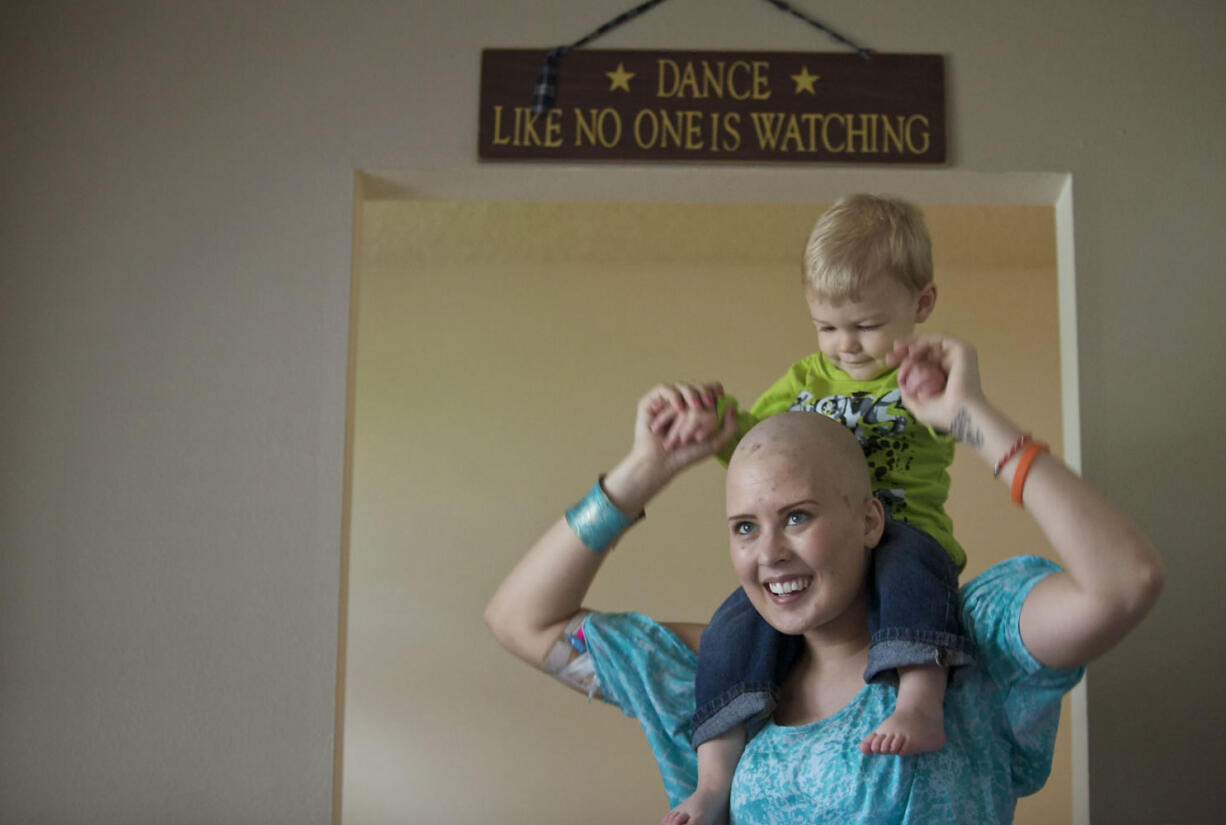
x=803, y=523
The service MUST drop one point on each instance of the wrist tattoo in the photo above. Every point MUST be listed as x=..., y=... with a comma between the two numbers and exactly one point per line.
x=964, y=430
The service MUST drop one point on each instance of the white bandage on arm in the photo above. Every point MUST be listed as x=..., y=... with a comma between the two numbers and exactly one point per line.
x=570, y=662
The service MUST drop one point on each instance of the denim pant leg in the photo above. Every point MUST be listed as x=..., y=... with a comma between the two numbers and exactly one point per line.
x=741, y=662
x=913, y=604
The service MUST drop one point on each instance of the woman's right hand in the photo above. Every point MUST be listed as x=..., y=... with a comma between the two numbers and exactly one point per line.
x=675, y=440
x=662, y=451
x=684, y=415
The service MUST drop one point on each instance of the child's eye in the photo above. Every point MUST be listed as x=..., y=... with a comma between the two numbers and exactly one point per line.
x=742, y=528
x=868, y=327
x=797, y=517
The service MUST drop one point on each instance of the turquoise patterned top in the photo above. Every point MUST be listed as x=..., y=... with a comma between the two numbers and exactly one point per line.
x=1000, y=720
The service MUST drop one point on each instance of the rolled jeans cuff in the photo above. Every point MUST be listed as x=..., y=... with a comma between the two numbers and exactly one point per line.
x=890, y=651
x=724, y=714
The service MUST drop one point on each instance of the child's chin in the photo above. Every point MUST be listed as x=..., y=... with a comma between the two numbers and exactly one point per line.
x=864, y=372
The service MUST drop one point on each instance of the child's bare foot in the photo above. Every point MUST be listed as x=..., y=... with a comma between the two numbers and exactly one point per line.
x=917, y=724
x=703, y=807
x=907, y=731
x=717, y=758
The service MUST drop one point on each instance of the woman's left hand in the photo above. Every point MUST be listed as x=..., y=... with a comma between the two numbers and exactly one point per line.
x=935, y=403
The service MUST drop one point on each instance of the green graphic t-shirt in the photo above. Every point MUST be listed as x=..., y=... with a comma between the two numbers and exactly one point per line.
x=907, y=460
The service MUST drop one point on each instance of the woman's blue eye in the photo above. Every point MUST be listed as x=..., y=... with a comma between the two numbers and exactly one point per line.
x=797, y=517
x=742, y=528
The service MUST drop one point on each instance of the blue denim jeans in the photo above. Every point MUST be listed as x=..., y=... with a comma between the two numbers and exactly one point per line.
x=912, y=616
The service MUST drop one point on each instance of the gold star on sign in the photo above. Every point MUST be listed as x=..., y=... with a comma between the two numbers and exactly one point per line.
x=805, y=81
x=619, y=79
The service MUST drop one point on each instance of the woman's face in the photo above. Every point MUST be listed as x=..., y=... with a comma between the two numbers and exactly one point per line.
x=799, y=542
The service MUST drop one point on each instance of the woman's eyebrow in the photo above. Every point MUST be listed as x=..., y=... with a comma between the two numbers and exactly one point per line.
x=785, y=508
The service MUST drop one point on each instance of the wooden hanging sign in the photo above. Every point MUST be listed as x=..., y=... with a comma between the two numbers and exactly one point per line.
x=716, y=106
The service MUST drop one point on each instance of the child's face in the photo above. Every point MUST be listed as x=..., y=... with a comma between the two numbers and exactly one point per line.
x=857, y=335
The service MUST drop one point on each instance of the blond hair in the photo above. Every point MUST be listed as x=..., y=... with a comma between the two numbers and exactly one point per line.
x=863, y=237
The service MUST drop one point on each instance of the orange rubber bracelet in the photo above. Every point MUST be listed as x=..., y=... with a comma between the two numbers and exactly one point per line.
x=1023, y=468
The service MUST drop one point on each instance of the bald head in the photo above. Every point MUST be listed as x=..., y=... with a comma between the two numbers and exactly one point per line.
x=815, y=441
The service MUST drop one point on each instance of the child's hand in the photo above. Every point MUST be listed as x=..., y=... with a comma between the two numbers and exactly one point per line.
x=921, y=377
x=685, y=414
x=938, y=400
x=656, y=461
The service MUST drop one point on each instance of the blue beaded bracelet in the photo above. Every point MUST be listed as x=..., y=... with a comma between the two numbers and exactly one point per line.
x=597, y=521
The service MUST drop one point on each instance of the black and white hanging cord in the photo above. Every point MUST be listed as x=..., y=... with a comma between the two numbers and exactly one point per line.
x=545, y=91
x=786, y=7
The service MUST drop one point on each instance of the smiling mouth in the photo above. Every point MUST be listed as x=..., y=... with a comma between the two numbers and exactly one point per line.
x=788, y=587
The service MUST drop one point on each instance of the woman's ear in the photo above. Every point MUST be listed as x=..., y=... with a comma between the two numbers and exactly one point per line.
x=874, y=522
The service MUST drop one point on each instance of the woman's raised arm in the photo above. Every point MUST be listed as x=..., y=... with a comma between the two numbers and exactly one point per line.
x=1111, y=573
x=544, y=591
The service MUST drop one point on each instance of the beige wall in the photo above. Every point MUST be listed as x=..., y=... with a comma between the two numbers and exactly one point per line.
x=175, y=231
x=499, y=351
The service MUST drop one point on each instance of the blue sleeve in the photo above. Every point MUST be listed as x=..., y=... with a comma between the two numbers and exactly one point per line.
x=643, y=669
x=991, y=610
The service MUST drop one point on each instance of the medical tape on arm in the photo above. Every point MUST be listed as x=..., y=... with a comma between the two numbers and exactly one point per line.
x=569, y=660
